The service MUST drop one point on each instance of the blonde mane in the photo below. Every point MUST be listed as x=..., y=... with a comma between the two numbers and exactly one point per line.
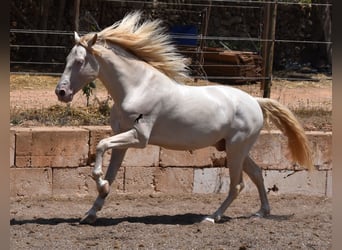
x=146, y=40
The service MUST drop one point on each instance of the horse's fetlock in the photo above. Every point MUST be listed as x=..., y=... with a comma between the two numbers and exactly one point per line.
x=97, y=174
x=239, y=187
x=103, y=188
x=217, y=217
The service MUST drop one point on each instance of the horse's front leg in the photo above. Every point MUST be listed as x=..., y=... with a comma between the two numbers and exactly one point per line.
x=117, y=157
x=123, y=141
x=136, y=137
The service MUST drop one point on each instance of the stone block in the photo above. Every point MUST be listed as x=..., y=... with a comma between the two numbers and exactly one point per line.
x=139, y=180
x=23, y=147
x=30, y=183
x=96, y=134
x=270, y=151
x=217, y=180
x=77, y=182
x=142, y=157
x=321, y=144
x=52, y=146
x=300, y=182
x=211, y=180
x=174, y=180
x=205, y=157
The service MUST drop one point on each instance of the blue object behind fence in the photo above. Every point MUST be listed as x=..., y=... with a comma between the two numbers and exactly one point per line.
x=184, y=34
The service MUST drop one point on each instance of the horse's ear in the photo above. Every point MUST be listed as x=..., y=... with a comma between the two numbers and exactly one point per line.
x=92, y=41
x=77, y=37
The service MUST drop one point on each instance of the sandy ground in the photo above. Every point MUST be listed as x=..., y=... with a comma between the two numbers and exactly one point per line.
x=171, y=222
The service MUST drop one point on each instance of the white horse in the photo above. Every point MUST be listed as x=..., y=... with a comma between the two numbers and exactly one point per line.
x=139, y=67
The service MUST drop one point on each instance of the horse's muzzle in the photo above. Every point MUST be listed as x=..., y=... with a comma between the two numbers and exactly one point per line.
x=64, y=93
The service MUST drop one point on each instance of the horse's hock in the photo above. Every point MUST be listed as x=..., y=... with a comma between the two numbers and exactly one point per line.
x=57, y=162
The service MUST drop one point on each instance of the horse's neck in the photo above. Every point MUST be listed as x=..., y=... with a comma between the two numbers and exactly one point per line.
x=120, y=72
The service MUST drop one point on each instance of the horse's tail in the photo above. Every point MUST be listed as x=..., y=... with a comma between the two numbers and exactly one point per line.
x=285, y=120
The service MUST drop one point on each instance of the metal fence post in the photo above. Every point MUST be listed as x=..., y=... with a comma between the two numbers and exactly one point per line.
x=77, y=14
x=270, y=16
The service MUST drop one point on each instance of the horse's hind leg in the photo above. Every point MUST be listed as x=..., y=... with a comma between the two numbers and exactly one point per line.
x=235, y=161
x=255, y=174
x=114, y=165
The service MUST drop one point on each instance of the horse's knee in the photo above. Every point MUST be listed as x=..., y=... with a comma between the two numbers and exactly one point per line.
x=101, y=146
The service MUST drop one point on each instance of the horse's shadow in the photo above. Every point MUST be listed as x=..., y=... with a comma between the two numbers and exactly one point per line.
x=180, y=219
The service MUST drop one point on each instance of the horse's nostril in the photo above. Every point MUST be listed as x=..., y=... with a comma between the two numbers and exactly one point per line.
x=62, y=92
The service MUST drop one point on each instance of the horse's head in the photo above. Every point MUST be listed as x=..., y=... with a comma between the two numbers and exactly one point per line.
x=81, y=68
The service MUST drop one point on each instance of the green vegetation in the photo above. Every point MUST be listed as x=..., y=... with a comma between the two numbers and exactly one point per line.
x=88, y=91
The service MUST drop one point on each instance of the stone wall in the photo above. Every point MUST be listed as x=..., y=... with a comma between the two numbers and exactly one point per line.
x=56, y=162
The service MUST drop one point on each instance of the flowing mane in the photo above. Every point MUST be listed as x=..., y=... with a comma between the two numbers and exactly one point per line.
x=147, y=40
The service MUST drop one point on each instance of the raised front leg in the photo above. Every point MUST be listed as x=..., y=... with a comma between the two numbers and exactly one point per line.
x=120, y=141
x=114, y=165
x=136, y=137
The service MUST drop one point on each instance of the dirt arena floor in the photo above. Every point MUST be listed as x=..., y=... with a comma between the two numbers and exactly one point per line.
x=173, y=222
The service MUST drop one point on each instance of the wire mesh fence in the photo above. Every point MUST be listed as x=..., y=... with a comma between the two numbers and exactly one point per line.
x=224, y=39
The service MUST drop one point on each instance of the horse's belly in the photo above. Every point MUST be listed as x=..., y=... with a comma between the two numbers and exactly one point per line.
x=182, y=143
x=185, y=137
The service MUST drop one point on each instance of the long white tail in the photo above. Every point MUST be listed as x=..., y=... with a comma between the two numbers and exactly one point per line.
x=285, y=120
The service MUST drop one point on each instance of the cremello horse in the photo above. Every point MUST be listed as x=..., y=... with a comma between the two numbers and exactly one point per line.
x=139, y=67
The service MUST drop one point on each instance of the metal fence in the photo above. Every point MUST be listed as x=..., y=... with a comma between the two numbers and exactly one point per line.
x=253, y=26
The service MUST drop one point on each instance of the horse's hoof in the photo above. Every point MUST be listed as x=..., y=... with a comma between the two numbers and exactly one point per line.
x=258, y=215
x=88, y=219
x=262, y=213
x=208, y=220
